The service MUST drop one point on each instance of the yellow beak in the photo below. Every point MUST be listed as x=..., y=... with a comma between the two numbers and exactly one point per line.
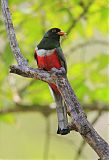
x=61, y=33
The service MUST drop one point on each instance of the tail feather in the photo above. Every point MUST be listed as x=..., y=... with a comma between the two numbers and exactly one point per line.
x=61, y=111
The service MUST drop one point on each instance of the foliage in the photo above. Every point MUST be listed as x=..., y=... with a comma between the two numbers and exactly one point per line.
x=87, y=64
x=86, y=51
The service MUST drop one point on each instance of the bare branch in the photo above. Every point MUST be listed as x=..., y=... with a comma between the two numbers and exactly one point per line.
x=82, y=145
x=18, y=108
x=92, y=42
x=57, y=77
x=75, y=21
x=29, y=72
x=80, y=121
x=96, y=106
x=41, y=108
x=11, y=34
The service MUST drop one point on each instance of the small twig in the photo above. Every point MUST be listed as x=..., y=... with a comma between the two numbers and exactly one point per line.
x=18, y=108
x=93, y=42
x=75, y=21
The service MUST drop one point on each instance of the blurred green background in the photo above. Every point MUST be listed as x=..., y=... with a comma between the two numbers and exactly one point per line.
x=30, y=132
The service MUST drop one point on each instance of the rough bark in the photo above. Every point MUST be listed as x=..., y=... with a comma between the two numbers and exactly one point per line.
x=79, y=119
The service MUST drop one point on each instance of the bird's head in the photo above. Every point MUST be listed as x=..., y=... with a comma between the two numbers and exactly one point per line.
x=54, y=33
x=51, y=39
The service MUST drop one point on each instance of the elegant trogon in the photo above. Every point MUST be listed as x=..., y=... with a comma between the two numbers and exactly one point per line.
x=48, y=55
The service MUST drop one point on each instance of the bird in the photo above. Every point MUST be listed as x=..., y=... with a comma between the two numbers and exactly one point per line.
x=48, y=55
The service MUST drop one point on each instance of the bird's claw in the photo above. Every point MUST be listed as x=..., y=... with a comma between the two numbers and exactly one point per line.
x=58, y=72
x=63, y=71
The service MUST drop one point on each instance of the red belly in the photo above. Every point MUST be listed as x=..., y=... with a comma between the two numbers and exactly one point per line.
x=48, y=61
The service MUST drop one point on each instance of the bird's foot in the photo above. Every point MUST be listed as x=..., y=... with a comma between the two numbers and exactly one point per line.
x=63, y=131
x=58, y=72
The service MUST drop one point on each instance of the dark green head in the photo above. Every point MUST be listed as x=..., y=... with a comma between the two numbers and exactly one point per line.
x=51, y=39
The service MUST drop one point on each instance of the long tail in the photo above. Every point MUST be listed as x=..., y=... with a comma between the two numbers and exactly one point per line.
x=61, y=111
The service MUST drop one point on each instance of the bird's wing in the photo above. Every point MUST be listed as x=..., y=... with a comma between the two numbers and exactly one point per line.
x=35, y=56
x=61, y=57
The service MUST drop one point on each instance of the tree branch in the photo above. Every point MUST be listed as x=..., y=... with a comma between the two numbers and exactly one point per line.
x=93, y=42
x=79, y=120
x=41, y=108
x=29, y=72
x=11, y=34
x=75, y=21
x=18, y=108
x=82, y=145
